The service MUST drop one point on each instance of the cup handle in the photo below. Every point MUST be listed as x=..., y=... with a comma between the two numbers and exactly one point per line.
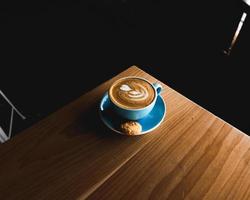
x=158, y=87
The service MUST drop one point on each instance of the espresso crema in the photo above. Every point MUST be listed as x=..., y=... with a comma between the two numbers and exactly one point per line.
x=132, y=93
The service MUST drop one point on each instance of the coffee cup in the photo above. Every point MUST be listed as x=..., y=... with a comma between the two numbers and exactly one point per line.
x=133, y=97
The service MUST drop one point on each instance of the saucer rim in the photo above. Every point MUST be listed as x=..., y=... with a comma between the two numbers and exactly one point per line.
x=142, y=133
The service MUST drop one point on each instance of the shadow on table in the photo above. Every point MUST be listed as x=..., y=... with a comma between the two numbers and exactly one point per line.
x=90, y=122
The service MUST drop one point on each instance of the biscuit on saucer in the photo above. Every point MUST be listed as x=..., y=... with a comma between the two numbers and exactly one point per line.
x=131, y=128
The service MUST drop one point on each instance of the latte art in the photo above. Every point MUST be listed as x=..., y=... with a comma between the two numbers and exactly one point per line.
x=132, y=93
x=136, y=95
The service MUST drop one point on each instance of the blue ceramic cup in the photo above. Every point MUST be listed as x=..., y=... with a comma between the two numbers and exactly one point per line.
x=138, y=113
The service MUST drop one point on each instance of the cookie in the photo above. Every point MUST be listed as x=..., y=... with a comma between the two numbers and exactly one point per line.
x=131, y=128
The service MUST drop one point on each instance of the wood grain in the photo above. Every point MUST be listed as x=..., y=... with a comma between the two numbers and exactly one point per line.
x=72, y=155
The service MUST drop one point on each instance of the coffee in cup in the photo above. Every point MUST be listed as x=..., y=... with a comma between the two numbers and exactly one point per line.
x=133, y=97
x=132, y=93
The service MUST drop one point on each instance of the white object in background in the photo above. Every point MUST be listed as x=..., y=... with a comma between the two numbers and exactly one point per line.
x=247, y=2
x=9, y=102
x=3, y=136
x=243, y=17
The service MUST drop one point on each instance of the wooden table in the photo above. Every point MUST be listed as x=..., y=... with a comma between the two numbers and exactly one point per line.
x=72, y=155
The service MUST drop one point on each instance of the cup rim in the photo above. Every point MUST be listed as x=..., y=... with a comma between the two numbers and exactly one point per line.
x=133, y=109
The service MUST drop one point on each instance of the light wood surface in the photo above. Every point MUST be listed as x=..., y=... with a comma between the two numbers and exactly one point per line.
x=72, y=155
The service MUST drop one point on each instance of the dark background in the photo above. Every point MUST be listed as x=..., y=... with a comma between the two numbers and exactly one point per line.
x=55, y=51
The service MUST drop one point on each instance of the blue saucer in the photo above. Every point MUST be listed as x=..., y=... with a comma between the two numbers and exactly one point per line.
x=148, y=123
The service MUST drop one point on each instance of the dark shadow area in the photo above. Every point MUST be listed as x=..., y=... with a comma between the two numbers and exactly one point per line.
x=55, y=52
x=89, y=121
